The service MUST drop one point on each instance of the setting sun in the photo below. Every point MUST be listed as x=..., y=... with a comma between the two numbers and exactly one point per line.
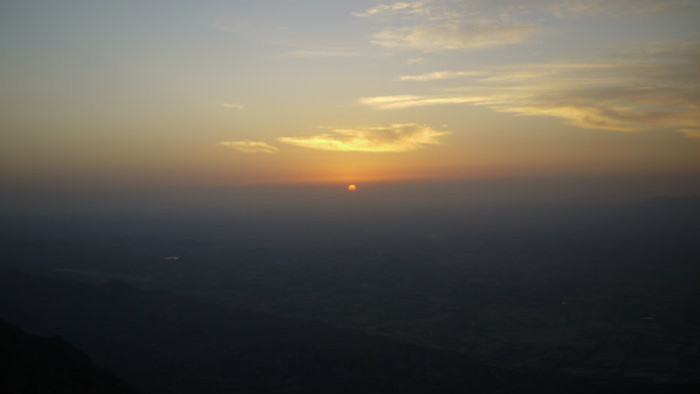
x=178, y=167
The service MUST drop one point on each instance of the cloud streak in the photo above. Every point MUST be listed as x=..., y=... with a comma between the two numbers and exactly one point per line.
x=324, y=52
x=399, y=7
x=457, y=25
x=455, y=36
x=441, y=75
x=401, y=102
x=653, y=89
x=233, y=106
x=619, y=8
x=557, y=8
x=249, y=146
x=420, y=9
x=391, y=138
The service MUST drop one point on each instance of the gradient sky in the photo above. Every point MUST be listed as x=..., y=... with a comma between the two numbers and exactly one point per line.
x=186, y=93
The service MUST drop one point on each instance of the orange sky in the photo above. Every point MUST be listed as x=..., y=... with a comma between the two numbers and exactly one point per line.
x=212, y=94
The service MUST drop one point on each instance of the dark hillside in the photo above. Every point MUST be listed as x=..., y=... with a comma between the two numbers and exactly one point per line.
x=35, y=364
x=167, y=343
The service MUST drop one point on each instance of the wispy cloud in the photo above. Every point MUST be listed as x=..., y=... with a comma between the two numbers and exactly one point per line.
x=400, y=102
x=441, y=75
x=233, y=106
x=558, y=8
x=420, y=9
x=391, y=138
x=618, y=8
x=399, y=7
x=638, y=91
x=483, y=76
x=324, y=52
x=250, y=146
x=415, y=60
x=446, y=25
x=451, y=36
x=432, y=26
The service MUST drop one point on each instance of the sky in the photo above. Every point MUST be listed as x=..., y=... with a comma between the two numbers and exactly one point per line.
x=206, y=93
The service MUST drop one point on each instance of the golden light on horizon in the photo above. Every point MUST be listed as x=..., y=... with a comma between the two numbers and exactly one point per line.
x=435, y=111
x=352, y=188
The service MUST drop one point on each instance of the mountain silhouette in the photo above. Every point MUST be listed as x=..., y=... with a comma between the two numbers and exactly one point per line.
x=36, y=364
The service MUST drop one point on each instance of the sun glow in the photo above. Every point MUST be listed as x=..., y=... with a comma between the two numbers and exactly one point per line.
x=352, y=188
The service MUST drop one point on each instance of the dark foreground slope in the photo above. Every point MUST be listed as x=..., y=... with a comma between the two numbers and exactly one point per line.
x=168, y=343
x=35, y=364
